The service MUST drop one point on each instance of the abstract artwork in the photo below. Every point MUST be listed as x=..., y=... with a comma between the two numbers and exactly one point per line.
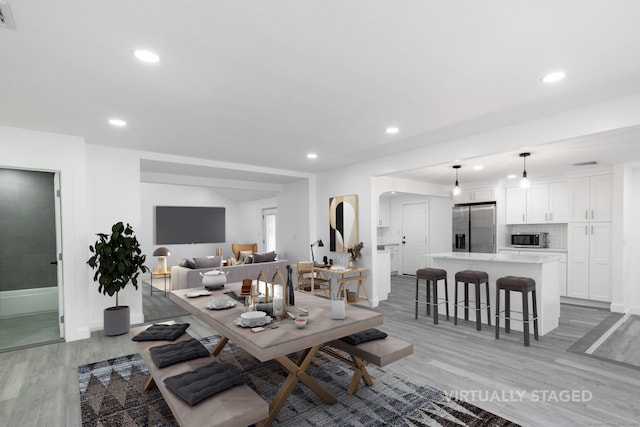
x=343, y=222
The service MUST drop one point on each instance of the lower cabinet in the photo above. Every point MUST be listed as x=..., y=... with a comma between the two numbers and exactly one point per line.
x=589, y=263
x=562, y=265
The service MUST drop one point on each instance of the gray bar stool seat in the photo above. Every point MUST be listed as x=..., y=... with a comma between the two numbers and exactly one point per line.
x=432, y=276
x=524, y=285
x=476, y=278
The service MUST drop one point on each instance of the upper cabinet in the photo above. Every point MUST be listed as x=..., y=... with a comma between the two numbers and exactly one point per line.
x=539, y=204
x=590, y=198
x=476, y=195
x=384, y=213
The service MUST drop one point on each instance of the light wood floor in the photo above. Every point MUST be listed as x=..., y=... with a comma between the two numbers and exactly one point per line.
x=39, y=386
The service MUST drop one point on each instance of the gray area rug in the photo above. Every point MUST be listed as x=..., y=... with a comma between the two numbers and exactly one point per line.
x=111, y=393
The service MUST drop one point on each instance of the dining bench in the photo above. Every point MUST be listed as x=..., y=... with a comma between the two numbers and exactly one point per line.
x=379, y=352
x=238, y=405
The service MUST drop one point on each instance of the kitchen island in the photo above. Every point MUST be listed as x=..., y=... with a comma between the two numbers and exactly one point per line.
x=543, y=269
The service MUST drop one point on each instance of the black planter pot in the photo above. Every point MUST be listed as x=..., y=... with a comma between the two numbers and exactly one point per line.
x=116, y=320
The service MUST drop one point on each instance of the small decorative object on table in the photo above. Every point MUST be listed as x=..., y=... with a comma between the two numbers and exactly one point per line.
x=355, y=253
x=290, y=292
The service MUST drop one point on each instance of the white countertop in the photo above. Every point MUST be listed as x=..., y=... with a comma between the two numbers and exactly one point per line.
x=511, y=258
x=511, y=248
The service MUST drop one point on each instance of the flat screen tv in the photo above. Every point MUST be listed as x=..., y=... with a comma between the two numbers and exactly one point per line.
x=189, y=224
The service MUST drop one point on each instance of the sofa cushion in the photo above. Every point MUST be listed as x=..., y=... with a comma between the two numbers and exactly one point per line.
x=265, y=257
x=207, y=262
x=187, y=263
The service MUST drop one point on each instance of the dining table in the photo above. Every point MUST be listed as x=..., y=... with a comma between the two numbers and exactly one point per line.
x=280, y=343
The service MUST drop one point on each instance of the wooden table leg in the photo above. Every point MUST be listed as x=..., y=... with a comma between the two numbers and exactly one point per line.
x=218, y=347
x=296, y=373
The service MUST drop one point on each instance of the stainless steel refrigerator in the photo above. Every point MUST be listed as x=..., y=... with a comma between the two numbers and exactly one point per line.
x=474, y=228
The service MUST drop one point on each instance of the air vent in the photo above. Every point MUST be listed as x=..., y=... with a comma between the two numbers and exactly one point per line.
x=591, y=163
x=6, y=18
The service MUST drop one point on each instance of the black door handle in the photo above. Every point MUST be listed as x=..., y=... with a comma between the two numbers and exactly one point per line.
x=54, y=263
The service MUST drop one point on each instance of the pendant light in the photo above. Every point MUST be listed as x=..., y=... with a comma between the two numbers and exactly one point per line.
x=456, y=189
x=524, y=182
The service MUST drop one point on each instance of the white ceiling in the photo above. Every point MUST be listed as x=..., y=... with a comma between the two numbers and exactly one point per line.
x=263, y=83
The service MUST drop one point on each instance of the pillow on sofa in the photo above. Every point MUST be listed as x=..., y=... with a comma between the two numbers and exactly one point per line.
x=187, y=263
x=207, y=262
x=265, y=257
x=245, y=257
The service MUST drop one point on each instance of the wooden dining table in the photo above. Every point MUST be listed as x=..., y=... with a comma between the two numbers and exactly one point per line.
x=279, y=343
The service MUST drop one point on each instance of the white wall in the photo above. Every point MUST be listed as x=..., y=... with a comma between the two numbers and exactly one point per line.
x=293, y=225
x=26, y=149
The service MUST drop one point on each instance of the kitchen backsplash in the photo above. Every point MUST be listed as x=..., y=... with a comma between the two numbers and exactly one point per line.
x=557, y=233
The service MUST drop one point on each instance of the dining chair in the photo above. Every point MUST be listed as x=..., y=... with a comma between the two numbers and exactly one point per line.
x=305, y=273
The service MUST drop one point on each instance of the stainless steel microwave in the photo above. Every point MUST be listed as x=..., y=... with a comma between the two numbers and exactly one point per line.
x=534, y=240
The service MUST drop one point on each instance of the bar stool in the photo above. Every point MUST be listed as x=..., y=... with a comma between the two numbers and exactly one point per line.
x=523, y=285
x=476, y=278
x=432, y=276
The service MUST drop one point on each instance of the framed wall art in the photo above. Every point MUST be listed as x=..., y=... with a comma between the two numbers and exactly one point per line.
x=343, y=223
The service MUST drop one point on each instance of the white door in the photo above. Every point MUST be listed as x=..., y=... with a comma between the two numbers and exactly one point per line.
x=269, y=217
x=57, y=210
x=415, y=220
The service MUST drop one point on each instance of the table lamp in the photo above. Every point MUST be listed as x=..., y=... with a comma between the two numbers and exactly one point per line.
x=316, y=243
x=161, y=253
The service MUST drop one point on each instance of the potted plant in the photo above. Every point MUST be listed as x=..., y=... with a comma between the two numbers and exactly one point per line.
x=355, y=253
x=117, y=260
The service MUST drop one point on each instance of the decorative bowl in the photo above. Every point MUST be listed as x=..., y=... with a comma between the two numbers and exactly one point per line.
x=300, y=323
x=253, y=317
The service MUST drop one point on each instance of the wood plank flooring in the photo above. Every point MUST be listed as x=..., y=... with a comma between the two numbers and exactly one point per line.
x=39, y=386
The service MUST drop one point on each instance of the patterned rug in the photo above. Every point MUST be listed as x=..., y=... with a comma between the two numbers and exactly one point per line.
x=111, y=394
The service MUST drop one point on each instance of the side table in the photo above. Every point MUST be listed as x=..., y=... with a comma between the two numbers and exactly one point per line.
x=164, y=277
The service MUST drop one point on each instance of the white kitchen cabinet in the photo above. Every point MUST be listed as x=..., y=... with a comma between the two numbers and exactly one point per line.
x=589, y=261
x=516, y=204
x=562, y=265
x=384, y=213
x=539, y=204
x=590, y=198
x=476, y=195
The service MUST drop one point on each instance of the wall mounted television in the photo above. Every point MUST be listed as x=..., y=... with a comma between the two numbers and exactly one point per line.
x=189, y=224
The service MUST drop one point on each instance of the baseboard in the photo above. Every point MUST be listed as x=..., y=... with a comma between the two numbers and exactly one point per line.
x=586, y=303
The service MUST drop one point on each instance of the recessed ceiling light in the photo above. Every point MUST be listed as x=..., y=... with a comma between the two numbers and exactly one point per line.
x=478, y=168
x=146, y=56
x=392, y=130
x=117, y=122
x=312, y=156
x=512, y=176
x=553, y=77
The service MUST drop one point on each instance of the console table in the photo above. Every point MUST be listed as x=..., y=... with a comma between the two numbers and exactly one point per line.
x=345, y=276
x=164, y=277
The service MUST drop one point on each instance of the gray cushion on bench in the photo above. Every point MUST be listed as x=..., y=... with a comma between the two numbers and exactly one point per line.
x=204, y=382
x=162, y=332
x=170, y=354
x=364, y=336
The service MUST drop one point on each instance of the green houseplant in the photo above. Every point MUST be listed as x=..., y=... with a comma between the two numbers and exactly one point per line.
x=117, y=260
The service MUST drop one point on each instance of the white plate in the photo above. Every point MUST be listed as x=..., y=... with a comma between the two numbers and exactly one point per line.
x=229, y=304
x=197, y=294
x=241, y=322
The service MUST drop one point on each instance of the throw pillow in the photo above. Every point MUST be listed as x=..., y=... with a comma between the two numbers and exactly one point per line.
x=207, y=262
x=265, y=257
x=244, y=255
x=187, y=263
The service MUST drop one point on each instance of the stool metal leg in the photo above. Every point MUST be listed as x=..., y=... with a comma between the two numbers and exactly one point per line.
x=428, y=297
x=436, y=301
x=507, y=311
x=478, y=311
x=417, y=283
x=525, y=317
x=497, y=312
x=535, y=314
x=466, y=301
x=446, y=296
x=455, y=305
x=488, y=305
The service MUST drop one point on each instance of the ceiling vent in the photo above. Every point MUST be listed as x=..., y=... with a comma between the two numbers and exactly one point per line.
x=6, y=18
x=591, y=163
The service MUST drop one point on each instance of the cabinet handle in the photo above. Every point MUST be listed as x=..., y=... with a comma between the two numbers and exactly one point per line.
x=591, y=213
x=523, y=218
x=586, y=230
x=546, y=217
x=586, y=214
x=550, y=216
x=592, y=230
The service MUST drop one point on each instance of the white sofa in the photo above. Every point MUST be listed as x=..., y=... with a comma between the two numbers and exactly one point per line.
x=185, y=278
